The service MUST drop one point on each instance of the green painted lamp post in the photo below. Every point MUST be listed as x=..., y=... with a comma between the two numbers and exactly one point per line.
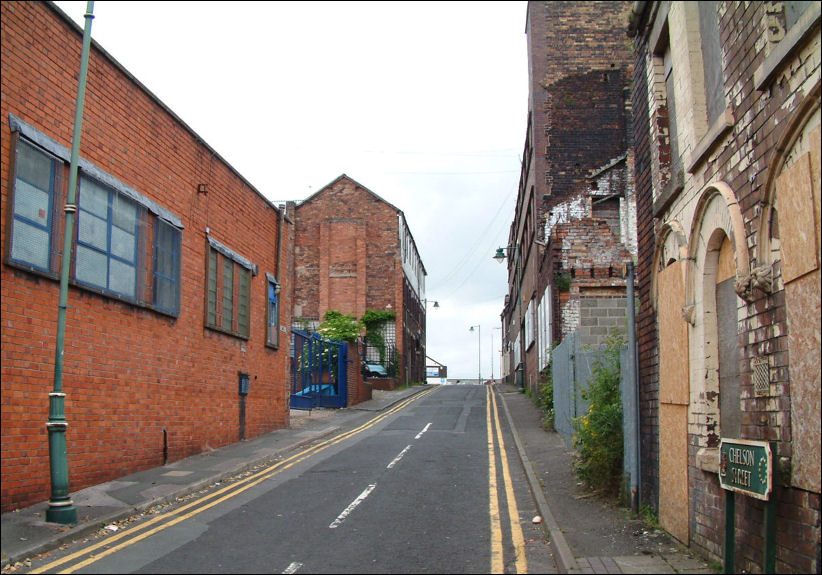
x=61, y=508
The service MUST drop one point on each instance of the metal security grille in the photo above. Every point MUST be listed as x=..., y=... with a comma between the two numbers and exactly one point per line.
x=320, y=373
x=761, y=376
x=384, y=353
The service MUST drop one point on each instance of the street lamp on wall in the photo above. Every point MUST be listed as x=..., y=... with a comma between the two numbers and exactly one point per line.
x=479, y=352
x=500, y=255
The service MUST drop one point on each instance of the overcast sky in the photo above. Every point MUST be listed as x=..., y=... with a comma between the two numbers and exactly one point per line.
x=423, y=103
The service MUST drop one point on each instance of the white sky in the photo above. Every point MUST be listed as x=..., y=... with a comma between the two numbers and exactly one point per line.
x=423, y=103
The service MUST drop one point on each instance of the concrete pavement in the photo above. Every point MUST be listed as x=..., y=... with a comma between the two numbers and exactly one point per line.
x=585, y=535
x=588, y=535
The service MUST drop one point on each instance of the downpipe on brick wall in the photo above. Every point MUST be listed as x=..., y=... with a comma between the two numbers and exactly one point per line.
x=61, y=508
x=633, y=389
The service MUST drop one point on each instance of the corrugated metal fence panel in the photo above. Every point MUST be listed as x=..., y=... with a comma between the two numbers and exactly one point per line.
x=564, y=389
x=572, y=368
x=629, y=412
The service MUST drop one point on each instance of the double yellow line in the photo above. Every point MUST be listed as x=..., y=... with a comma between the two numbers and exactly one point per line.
x=493, y=427
x=198, y=506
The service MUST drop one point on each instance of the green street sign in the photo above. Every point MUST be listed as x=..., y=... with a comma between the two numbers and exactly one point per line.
x=746, y=466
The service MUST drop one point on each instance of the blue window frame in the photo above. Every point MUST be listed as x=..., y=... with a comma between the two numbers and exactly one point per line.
x=166, y=287
x=114, y=227
x=272, y=337
x=108, y=235
x=36, y=179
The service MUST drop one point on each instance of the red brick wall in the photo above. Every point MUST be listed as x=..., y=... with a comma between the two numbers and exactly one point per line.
x=579, y=67
x=358, y=390
x=592, y=258
x=646, y=315
x=346, y=239
x=129, y=372
x=577, y=100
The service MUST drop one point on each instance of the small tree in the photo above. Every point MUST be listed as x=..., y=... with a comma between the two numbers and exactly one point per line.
x=341, y=327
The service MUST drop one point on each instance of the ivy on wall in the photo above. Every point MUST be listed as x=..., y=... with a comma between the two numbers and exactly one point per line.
x=373, y=321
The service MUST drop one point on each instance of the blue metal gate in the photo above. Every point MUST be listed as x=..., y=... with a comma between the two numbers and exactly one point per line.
x=320, y=373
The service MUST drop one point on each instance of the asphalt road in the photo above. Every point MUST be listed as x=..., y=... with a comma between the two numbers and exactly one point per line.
x=433, y=485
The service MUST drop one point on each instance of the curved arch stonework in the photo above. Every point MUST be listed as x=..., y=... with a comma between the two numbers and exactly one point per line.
x=796, y=138
x=716, y=218
x=718, y=208
x=671, y=246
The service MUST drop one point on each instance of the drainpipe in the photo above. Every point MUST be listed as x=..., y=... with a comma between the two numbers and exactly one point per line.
x=279, y=266
x=633, y=387
x=281, y=209
x=61, y=508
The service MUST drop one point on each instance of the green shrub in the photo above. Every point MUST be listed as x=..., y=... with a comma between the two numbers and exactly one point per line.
x=598, y=438
x=341, y=327
x=545, y=399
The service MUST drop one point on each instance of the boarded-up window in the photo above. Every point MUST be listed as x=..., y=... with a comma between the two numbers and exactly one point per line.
x=673, y=398
x=798, y=204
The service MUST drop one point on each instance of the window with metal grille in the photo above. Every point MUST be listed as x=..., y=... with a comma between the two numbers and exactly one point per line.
x=36, y=181
x=228, y=292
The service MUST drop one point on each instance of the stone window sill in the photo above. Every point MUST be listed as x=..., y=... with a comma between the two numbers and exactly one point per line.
x=717, y=131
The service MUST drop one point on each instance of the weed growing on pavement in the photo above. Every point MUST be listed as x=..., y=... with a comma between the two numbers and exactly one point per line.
x=648, y=515
x=598, y=438
x=545, y=399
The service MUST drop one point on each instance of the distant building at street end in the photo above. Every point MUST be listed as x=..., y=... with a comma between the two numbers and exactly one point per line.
x=435, y=372
x=354, y=253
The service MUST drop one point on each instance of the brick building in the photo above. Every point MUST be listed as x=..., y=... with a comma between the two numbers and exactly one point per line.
x=726, y=101
x=574, y=224
x=354, y=253
x=175, y=278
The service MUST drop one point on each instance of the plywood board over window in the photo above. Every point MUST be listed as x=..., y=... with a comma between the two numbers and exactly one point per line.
x=798, y=205
x=796, y=221
x=673, y=398
x=673, y=336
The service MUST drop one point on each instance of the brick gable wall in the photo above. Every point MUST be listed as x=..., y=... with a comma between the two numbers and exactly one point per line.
x=347, y=246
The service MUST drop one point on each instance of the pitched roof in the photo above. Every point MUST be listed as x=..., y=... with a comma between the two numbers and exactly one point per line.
x=353, y=181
